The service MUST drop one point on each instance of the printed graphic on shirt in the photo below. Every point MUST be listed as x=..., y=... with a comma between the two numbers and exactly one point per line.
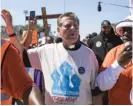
x=66, y=84
x=81, y=70
x=98, y=44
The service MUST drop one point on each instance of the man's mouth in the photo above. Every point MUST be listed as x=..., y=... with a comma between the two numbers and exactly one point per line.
x=72, y=34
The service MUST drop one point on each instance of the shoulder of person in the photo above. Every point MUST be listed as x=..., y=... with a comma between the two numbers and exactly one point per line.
x=87, y=49
x=49, y=46
x=96, y=38
x=118, y=47
x=14, y=48
x=46, y=47
x=12, y=51
x=115, y=51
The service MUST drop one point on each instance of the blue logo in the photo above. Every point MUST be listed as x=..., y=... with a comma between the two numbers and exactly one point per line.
x=65, y=83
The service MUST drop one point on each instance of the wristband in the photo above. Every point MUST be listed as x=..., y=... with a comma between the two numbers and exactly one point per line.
x=12, y=35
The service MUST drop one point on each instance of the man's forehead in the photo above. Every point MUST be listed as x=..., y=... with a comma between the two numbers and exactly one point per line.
x=68, y=19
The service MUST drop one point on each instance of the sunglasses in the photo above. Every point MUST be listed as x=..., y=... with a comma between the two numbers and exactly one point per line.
x=106, y=27
x=127, y=29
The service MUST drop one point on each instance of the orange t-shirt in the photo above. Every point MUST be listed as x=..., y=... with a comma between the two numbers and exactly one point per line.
x=34, y=37
x=6, y=100
x=15, y=80
x=120, y=93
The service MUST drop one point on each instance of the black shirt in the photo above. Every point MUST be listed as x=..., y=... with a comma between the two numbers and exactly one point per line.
x=101, y=45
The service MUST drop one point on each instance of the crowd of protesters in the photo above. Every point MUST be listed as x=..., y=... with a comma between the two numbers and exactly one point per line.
x=65, y=70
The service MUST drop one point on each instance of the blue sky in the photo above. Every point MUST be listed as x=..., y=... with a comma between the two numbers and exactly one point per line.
x=86, y=10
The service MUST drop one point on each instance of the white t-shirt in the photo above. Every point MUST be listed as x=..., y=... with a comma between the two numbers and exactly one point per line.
x=69, y=75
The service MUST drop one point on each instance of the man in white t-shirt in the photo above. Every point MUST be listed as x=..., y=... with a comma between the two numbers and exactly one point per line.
x=69, y=68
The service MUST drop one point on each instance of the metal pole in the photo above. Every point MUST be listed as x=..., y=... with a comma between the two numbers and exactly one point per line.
x=25, y=19
x=116, y=5
x=25, y=13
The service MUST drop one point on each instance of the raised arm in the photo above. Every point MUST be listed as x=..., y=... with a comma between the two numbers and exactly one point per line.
x=11, y=33
x=27, y=34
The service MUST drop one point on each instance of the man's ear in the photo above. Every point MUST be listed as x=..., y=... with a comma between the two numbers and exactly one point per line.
x=58, y=29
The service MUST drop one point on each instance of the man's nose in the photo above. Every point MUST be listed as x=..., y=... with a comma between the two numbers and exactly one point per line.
x=72, y=27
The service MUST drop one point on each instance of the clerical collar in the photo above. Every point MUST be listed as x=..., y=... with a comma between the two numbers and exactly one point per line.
x=75, y=46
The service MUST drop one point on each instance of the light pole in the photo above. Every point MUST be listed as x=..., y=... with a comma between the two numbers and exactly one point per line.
x=25, y=13
x=100, y=8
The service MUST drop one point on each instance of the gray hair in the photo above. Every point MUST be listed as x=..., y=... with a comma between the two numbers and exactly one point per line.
x=67, y=14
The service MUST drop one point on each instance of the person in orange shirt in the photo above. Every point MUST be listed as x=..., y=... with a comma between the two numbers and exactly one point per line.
x=15, y=81
x=116, y=71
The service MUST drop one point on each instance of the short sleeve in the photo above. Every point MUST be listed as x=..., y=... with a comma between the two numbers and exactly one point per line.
x=15, y=79
x=34, y=58
x=94, y=71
